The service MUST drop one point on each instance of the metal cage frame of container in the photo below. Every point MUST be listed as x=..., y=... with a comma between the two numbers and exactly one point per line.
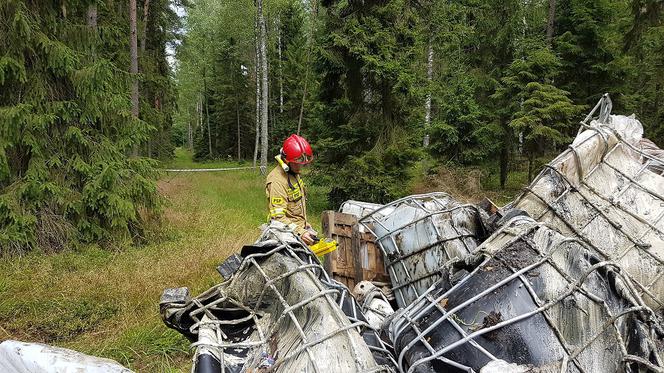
x=333, y=292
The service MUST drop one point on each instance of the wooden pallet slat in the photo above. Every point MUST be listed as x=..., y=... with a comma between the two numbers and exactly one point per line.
x=357, y=257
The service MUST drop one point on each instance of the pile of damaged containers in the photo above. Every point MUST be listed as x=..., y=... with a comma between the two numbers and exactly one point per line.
x=569, y=277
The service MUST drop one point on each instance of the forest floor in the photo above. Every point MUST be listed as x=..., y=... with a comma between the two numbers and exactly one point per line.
x=105, y=302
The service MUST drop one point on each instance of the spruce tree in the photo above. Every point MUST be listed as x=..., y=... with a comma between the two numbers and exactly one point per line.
x=67, y=127
x=367, y=136
x=541, y=113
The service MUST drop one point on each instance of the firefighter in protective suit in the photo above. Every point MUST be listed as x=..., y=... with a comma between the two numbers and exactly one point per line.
x=285, y=190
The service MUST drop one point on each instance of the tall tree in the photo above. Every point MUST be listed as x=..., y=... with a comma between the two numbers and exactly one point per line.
x=427, y=104
x=551, y=20
x=67, y=127
x=310, y=41
x=540, y=111
x=257, y=73
x=144, y=34
x=264, y=84
x=92, y=15
x=367, y=133
x=281, y=71
x=133, y=56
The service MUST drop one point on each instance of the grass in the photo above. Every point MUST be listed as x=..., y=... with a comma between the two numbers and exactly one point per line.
x=105, y=303
x=183, y=159
x=472, y=184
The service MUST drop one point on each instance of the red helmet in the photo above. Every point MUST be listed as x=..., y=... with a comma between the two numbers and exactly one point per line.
x=297, y=150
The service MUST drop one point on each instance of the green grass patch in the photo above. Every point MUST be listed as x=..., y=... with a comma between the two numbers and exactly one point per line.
x=57, y=319
x=105, y=302
x=183, y=159
x=149, y=348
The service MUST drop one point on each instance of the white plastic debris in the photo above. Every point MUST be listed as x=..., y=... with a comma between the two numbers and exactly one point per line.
x=418, y=235
x=374, y=305
x=279, y=311
x=603, y=190
x=22, y=357
x=358, y=208
x=502, y=366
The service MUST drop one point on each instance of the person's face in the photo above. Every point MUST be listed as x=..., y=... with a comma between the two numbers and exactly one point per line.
x=296, y=167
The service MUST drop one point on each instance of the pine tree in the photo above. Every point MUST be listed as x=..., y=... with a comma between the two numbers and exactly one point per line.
x=540, y=112
x=367, y=122
x=67, y=125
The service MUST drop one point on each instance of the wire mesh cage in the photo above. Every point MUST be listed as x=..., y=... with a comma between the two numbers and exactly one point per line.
x=419, y=234
x=571, y=289
x=278, y=311
x=609, y=192
x=532, y=297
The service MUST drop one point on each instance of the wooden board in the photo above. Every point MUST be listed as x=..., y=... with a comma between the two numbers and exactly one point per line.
x=357, y=257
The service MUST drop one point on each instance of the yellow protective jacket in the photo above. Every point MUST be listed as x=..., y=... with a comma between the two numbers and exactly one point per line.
x=286, y=199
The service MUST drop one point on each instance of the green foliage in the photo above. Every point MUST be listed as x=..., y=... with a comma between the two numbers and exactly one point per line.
x=644, y=45
x=538, y=111
x=66, y=129
x=57, y=319
x=292, y=72
x=365, y=129
x=380, y=175
x=214, y=78
x=459, y=131
x=228, y=104
x=588, y=41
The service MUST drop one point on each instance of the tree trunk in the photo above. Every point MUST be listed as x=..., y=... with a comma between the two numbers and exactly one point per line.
x=264, y=86
x=133, y=49
x=504, y=156
x=207, y=116
x=304, y=96
x=281, y=78
x=550, y=26
x=200, y=113
x=144, y=36
x=237, y=115
x=427, y=105
x=258, y=90
x=531, y=166
x=658, y=94
x=239, y=143
x=190, y=138
x=92, y=16
x=310, y=37
x=92, y=26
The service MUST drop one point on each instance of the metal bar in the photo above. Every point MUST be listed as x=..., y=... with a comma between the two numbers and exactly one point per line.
x=205, y=169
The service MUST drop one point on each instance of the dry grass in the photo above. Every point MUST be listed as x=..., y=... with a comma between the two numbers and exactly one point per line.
x=471, y=184
x=106, y=302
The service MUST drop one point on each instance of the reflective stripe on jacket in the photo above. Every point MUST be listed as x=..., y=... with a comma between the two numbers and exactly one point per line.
x=286, y=199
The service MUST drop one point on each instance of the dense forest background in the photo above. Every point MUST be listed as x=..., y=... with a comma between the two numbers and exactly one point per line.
x=384, y=90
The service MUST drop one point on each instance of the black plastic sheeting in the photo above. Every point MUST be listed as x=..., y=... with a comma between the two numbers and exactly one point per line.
x=534, y=298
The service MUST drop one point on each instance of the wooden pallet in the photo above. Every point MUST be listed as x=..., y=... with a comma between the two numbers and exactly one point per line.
x=357, y=257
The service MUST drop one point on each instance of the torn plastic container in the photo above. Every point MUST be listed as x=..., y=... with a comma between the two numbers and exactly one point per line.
x=603, y=190
x=374, y=304
x=22, y=357
x=419, y=234
x=279, y=311
x=358, y=208
x=534, y=298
